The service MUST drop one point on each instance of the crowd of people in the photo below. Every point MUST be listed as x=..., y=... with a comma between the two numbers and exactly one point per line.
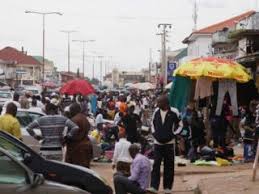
x=135, y=127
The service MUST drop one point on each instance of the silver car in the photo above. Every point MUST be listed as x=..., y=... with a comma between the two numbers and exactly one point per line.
x=15, y=177
x=5, y=96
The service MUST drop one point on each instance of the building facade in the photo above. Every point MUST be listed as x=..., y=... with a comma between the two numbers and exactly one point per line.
x=20, y=67
x=210, y=40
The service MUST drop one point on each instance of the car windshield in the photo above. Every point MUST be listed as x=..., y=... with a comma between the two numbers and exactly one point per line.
x=25, y=118
x=5, y=95
x=11, y=148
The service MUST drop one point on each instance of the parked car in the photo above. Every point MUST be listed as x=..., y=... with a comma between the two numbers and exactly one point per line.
x=15, y=177
x=5, y=96
x=60, y=172
x=33, y=89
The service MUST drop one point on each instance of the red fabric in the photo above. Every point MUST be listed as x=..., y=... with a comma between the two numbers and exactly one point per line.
x=77, y=87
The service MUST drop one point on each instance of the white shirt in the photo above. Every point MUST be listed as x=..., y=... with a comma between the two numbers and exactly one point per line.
x=40, y=104
x=163, y=114
x=99, y=119
x=15, y=102
x=121, y=151
x=117, y=118
x=137, y=109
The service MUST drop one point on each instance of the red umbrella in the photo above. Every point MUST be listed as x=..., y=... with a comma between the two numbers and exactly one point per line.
x=77, y=87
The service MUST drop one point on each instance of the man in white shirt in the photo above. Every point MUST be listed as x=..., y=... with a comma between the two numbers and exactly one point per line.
x=99, y=119
x=121, y=152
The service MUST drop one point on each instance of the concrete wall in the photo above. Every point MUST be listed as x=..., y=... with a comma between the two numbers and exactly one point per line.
x=200, y=47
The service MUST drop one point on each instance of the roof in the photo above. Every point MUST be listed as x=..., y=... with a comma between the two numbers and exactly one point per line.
x=40, y=59
x=12, y=54
x=182, y=54
x=219, y=26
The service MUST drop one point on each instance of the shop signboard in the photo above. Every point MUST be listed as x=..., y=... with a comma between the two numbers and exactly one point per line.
x=170, y=71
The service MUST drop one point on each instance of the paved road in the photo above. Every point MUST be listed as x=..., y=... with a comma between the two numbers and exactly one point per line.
x=186, y=179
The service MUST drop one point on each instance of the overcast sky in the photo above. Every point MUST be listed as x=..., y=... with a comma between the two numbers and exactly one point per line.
x=123, y=29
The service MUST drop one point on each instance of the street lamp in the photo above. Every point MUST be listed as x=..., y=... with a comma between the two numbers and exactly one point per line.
x=43, y=33
x=68, y=32
x=101, y=69
x=83, y=43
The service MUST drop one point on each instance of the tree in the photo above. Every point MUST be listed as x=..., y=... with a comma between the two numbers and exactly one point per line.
x=94, y=81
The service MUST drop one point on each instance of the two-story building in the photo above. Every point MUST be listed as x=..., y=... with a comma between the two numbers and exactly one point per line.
x=205, y=42
x=21, y=68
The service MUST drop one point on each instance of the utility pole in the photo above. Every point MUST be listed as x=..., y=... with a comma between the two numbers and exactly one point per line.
x=83, y=43
x=93, y=66
x=163, y=51
x=43, y=14
x=150, y=63
x=101, y=69
x=68, y=32
x=195, y=15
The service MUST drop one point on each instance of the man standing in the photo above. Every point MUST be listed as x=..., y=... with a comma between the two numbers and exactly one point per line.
x=164, y=123
x=52, y=128
x=9, y=123
x=131, y=122
x=140, y=174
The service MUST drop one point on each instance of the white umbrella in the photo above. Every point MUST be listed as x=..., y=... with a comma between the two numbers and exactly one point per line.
x=143, y=86
x=128, y=85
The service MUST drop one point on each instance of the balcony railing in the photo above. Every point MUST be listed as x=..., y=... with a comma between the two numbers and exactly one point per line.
x=220, y=37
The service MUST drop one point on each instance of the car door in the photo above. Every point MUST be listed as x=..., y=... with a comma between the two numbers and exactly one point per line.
x=14, y=177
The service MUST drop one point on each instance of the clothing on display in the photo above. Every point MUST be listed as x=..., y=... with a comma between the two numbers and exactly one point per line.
x=203, y=88
x=224, y=87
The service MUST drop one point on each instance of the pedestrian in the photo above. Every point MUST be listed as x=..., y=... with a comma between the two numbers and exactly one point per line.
x=197, y=134
x=132, y=122
x=25, y=100
x=52, y=129
x=121, y=157
x=9, y=122
x=99, y=119
x=34, y=105
x=138, y=182
x=165, y=124
x=66, y=101
x=79, y=151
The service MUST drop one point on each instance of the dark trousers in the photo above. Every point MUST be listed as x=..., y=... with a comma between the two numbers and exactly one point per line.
x=166, y=153
x=123, y=185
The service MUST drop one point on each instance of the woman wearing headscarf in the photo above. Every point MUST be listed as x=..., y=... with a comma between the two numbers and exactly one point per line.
x=79, y=151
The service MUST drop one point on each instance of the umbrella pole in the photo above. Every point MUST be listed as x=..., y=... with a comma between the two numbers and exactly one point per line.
x=255, y=162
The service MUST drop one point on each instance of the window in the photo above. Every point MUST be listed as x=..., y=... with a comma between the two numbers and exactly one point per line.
x=25, y=118
x=10, y=171
x=5, y=95
x=11, y=148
